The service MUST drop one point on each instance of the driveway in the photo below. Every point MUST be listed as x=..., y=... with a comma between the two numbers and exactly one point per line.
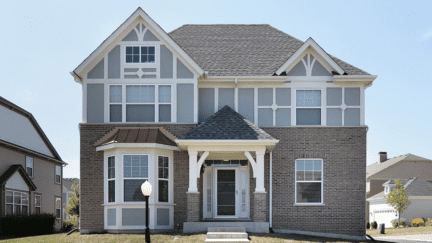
x=406, y=238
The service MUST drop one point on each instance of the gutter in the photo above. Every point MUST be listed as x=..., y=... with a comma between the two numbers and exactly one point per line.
x=271, y=194
x=77, y=78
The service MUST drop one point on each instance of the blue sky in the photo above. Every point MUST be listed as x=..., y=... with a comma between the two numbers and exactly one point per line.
x=41, y=42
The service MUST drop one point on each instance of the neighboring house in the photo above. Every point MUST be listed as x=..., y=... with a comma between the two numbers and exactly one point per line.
x=31, y=170
x=419, y=192
x=233, y=125
x=400, y=167
x=68, y=192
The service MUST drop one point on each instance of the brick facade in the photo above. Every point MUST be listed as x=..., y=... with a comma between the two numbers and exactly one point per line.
x=343, y=150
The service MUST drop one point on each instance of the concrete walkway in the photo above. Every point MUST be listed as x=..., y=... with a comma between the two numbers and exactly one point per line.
x=406, y=238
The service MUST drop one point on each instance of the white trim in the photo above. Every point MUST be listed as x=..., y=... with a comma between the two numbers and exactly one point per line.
x=135, y=145
x=200, y=162
x=322, y=183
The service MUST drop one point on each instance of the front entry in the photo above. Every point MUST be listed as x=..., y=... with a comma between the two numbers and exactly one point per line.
x=226, y=191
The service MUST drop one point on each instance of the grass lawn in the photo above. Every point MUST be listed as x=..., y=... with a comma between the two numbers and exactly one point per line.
x=401, y=231
x=159, y=238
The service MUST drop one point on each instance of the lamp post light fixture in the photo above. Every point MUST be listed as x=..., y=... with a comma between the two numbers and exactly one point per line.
x=146, y=189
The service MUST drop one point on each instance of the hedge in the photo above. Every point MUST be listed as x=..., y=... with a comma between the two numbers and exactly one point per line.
x=24, y=225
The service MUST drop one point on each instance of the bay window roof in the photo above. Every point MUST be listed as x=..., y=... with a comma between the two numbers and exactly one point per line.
x=137, y=135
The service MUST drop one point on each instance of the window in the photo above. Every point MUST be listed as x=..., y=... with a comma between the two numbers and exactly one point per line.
x=309, y=181
x=135, y=173
x=163, y=178
x=310, y=111
x=38, y=203
x=111, y=179
x=143, y=103
x=16, y=202
x=29, y=166
x=343, y=106
x=140, y=54
x=57, y=174
x=58, y=207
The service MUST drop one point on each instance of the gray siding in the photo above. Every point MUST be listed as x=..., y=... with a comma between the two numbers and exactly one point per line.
x=226, y=97
x=319, y=70
x=132, y=36
x=265, y=117
x=265, y=97
x=183, y=71
x=283, y=117
x=131, y=76
x=352, y=96
x=352, y=117
x=148, y=76
x=166, y=65
x=133, y=216
x=298, y=70
x=283, y=97
x=334, y=117
x=185, y=103
x=95, y=103
x=246, y=103
x=114, y=63
x=163, y=216
x=206, y=103
x=131, y=70
x=149, y=70
x=149, y=36
x=98, y=71
x=334, y=96
x=111, y=217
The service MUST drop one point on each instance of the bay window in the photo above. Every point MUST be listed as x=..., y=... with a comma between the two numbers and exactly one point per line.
x=135, y=173
x=163, y=175
x=17, y=202
x=308, y=111
x=111, y=179
x=309, y=181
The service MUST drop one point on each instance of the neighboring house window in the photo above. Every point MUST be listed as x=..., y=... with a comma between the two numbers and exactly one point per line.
x=163, y=178
x=309, y=181
x=16, y=202
x=308, y=111
x=38, y=203
x=58, y=207
x=111, y=179
x=143, y=103
x=57, y=174
x=135, y=173
x=29, y=166
x=140, y=54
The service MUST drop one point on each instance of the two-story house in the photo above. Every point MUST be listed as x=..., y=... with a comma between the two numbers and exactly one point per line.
x=233, y=125
x=31, y=170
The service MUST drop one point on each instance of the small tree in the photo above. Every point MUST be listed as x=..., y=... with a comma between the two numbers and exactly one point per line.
x=398, y=199
x=72, y=207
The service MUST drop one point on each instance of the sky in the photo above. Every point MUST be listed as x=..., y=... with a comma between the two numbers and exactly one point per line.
x=42, y=41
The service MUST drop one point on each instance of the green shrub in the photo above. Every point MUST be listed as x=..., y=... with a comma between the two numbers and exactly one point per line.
x=415, y=225
x=428, y=222
x=374, y=225
x=367, y=225
x=395, y=224
x=24, y=225
x=68, y=225
x=421, y=224
x=403, y=223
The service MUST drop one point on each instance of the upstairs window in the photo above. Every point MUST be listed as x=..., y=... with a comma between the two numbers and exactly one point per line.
x=308, y=110
x=57, y=174
x=140, y=54
x=29, y=166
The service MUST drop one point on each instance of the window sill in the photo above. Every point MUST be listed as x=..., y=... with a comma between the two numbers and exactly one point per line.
x=138, y=203
x=308, y=204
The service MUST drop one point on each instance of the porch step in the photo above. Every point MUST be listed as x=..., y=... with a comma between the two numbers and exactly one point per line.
x=227, y=234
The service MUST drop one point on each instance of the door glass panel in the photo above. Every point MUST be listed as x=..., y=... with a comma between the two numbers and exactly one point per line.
x=226, y=192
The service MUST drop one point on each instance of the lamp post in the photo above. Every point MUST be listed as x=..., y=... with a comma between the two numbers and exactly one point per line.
x=146, y=189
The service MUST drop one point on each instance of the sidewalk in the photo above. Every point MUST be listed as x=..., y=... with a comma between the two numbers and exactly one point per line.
x=406, y=238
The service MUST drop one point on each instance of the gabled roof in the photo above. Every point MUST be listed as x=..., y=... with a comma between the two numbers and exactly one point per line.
x=227, y=124
x=378, y=167
x=11, y=171
x=415, y=187
x=138, y=13
x=137, y=135
x=68, y=182
x=242, y=50
x=6, y=103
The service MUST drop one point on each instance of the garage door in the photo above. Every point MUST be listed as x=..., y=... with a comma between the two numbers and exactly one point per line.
x=385, y=216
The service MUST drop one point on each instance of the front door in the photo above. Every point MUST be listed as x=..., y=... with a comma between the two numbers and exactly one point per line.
x=226, y=193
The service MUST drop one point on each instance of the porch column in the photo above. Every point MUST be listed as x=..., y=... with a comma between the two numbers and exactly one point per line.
x=193, y=195
x=260, y=171
x=260, y=195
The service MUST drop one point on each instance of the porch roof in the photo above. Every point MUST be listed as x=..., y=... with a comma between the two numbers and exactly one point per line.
x=227, y=124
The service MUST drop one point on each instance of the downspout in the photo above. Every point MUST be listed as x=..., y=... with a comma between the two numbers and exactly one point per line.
x=270, y=197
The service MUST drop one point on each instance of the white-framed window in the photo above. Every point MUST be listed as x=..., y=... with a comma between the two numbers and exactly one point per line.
x=163, y=179
x=308, y=107
x=29, y=166
x=142, y=103
x=344, y=106
x=57, y=207
x=135, y=173
x=111, y=179
x=274, y=107
x=38, y=203
x=140, y=54
x=17, y=202
x=58, y=174
x=309, y=181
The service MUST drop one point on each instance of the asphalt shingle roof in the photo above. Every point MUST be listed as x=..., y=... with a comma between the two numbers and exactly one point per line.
x=227, y=124
x=378, y=167
x=415, y=187
x=241, y=50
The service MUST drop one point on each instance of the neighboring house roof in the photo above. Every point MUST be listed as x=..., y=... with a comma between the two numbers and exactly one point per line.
x=137, y=135
x=242, y=50
x=68, y=182
x=6, y=103
x=227, y=124
x=11, y=171
x=415, y=187
x=378, y=167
